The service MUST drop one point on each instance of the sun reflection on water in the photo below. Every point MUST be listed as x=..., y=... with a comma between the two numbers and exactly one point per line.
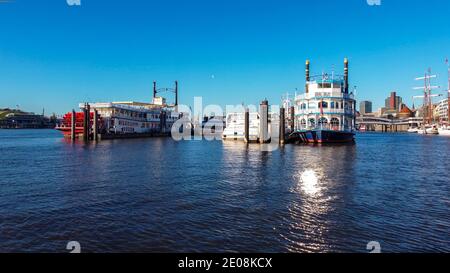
x=309, y=183
x=308, y=229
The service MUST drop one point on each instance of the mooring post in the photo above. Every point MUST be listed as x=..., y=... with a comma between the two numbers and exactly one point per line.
x=292, y=125
x=247, y=126
x=264, y=122
x=85, y=123
x=88, y=121
x=282, y=126
x=73, y=126
x=95, y=125
x=162, y=122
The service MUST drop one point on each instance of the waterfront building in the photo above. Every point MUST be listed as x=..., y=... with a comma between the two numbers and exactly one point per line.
x=441, y=111
x=22, y=120
x=365, y=107
x=393, y=102
x=405, y=112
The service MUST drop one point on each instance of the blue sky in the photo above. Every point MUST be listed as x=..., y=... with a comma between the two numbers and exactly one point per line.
x=53, y=56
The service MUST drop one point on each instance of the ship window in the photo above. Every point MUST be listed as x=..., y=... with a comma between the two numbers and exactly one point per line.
x=324, y=85
x=324, y=104
x=323, y=121
x=332, y=105
x=303, y=123
x=335, y=123
x=312, y=122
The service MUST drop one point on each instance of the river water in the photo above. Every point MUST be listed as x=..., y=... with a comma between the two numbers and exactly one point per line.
x=158, y=195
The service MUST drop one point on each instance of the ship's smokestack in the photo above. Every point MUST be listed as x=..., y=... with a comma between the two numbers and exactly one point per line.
x=346, y=75
x=154, y=90
x=307, y=77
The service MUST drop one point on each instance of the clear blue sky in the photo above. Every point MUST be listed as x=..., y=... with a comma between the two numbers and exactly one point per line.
x=53, y=56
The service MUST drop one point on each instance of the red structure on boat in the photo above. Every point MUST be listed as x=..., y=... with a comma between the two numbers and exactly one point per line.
x=66, y=124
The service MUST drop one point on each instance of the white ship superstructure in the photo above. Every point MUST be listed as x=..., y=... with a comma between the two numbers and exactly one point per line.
x=326, y=103
x=235, y=126
x=135, y=117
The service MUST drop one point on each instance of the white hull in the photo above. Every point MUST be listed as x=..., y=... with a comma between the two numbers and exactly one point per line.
x=428, y=131
x=444, y=132
x=413, y=130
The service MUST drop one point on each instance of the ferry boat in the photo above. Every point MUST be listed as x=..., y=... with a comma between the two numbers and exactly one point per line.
x=326, y=112
x=116, y=118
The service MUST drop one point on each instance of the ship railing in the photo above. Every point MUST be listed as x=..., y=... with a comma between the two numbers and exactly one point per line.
x=318, y=95
x=327, y=78
x=327, y=127
x=116, y=105
x=325, y=112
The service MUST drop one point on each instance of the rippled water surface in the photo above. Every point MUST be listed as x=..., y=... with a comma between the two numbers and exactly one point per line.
x=157, y=195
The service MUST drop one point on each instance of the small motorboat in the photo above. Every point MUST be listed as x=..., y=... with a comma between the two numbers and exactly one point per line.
x=431, y=130
x=413, y=130
x=444, y=131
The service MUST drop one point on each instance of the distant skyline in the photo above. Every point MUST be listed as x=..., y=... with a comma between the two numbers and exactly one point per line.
x=54, y=56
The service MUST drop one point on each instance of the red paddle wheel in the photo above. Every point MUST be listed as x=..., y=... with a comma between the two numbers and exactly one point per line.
x=66, y=125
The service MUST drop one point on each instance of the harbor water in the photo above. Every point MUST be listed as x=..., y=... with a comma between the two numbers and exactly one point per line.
x=158, y=195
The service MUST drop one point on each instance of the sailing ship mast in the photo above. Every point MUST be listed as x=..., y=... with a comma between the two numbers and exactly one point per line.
x=427, y=96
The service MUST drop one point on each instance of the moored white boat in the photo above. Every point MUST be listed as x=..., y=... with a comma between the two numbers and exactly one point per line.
x=235, y=126
x=433, y=130
x=444, y=131
x=413, y=130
